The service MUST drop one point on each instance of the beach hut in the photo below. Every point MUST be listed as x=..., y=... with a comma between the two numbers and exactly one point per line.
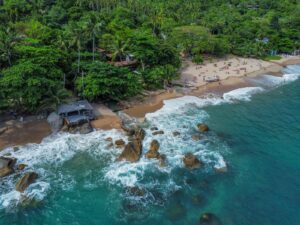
x=76, y=113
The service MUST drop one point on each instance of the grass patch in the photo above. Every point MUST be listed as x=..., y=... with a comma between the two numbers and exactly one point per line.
x=272, y=57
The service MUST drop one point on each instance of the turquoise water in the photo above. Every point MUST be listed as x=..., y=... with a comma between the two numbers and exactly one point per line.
x=256, y=131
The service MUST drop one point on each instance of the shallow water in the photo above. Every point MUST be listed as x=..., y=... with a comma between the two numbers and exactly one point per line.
x=255, y=130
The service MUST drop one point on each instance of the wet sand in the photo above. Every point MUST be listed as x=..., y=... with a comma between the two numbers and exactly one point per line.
x=31, y=132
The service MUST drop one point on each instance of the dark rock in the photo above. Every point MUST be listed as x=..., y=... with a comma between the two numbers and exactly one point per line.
x=176, y=212
x=132, y=151
x=209, y=219
x=176, y=133
x=136, y=191
x=140, y=134
x=158, y=132
x=6, y=166
x=190, y=161
x=153, y=152
x=21, y=166
x=26, y=180
x=82, y=129
x=202, y=127
x=154, y=128
x=119, y=143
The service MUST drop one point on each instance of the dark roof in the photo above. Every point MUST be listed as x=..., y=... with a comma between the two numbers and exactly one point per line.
x=75, y=106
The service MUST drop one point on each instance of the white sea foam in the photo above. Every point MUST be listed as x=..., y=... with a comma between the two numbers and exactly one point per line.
x=242, y=94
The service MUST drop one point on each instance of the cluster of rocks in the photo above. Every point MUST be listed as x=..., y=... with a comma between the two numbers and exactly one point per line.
x=8, y=166
x=84, y=128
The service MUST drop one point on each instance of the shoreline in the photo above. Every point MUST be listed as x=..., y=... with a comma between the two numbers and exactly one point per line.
x=34, y=132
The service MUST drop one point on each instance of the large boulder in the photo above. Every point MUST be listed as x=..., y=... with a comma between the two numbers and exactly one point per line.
x=202, y=127
x=25, y=181
x=153, y=152
x=132, y=151
x=55, y=122
x=191, y=162
x=128, y=123
x=209, y=219
x=6, y=166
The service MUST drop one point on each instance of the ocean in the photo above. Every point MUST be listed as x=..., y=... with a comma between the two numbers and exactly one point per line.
x=254, y=132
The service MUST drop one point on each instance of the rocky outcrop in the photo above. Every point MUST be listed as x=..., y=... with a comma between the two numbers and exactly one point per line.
x=132, y=151
x=153, y=152
x=82, y=129
x=202, y=127
x=191, y=162
x=176, y=133
x=209, y=219
x=6, y=166
x=136, y=191
x=119, y=143
x=25, y=181
x=21, y=166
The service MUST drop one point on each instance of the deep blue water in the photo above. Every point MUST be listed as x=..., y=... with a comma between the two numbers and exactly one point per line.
x=80, y=182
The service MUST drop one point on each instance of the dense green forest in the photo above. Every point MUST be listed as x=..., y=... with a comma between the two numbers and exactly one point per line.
x=113, y=49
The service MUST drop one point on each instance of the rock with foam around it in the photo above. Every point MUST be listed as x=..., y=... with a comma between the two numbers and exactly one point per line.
x=202, y=127
x=191, y=162
x=119, y=143
x=25, y=181
x=153, y=152
x=132, y=151
x=162, y=160
x=6, y=166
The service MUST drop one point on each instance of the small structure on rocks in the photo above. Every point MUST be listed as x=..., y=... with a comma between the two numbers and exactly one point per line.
x=76, y=113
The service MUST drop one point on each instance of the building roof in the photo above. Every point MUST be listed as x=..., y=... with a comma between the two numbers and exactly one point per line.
x=75, y=106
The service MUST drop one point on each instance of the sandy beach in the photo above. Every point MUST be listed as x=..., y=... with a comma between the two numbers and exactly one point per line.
x=232, y=73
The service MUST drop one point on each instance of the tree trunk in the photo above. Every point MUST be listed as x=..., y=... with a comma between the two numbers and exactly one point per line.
x=78, y=62
x=93, y=47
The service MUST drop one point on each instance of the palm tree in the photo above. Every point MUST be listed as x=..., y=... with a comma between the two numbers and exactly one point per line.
x=94, y=27
x=77, y=35
x=119, y=48
x=54, y=99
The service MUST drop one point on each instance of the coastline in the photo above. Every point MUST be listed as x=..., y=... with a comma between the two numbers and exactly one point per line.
x=35, y=132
